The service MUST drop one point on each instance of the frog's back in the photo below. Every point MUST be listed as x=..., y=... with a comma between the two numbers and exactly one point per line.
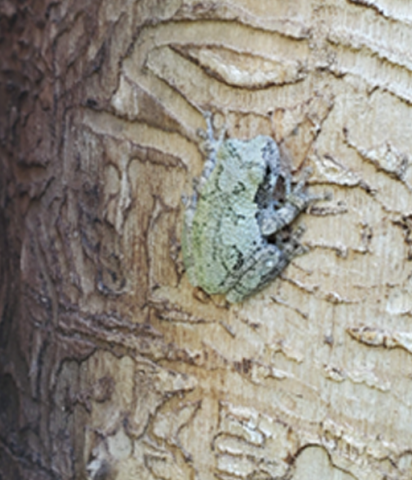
x=225, y=234
x=225, y=211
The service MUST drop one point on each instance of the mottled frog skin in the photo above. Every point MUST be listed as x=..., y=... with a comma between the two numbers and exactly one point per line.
x=232, y=213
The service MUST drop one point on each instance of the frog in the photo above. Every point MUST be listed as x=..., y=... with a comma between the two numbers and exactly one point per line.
x=232, y=241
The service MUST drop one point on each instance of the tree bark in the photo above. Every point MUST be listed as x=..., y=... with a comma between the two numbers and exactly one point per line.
x=112, y=366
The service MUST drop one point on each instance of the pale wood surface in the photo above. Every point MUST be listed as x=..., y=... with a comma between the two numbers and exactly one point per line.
x=112, y=364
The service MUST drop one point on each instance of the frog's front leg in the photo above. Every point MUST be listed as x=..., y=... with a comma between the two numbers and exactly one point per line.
x=297, y=200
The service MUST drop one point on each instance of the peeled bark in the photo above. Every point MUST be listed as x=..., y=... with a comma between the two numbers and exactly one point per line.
x=112, y=366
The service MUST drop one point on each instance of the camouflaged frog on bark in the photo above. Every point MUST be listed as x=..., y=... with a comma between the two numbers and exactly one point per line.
x=233, y=214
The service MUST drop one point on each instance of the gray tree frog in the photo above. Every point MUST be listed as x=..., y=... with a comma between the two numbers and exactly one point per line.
x=233, y=216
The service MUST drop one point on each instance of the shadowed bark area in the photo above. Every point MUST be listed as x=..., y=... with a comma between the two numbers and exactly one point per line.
x=112, y=366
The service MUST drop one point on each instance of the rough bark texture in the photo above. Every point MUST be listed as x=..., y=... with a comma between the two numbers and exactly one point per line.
x=112, y=365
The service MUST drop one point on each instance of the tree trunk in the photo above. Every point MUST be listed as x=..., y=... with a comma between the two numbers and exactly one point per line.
x=112, y=366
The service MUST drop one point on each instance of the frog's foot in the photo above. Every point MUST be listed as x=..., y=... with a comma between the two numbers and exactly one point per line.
x=292, y=246
x=300, y=198
x=287, y=178
x=211, y=144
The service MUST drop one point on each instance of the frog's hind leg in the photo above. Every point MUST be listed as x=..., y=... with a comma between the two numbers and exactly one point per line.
x=187, y=240
x=269, y=264
x=210, y=146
